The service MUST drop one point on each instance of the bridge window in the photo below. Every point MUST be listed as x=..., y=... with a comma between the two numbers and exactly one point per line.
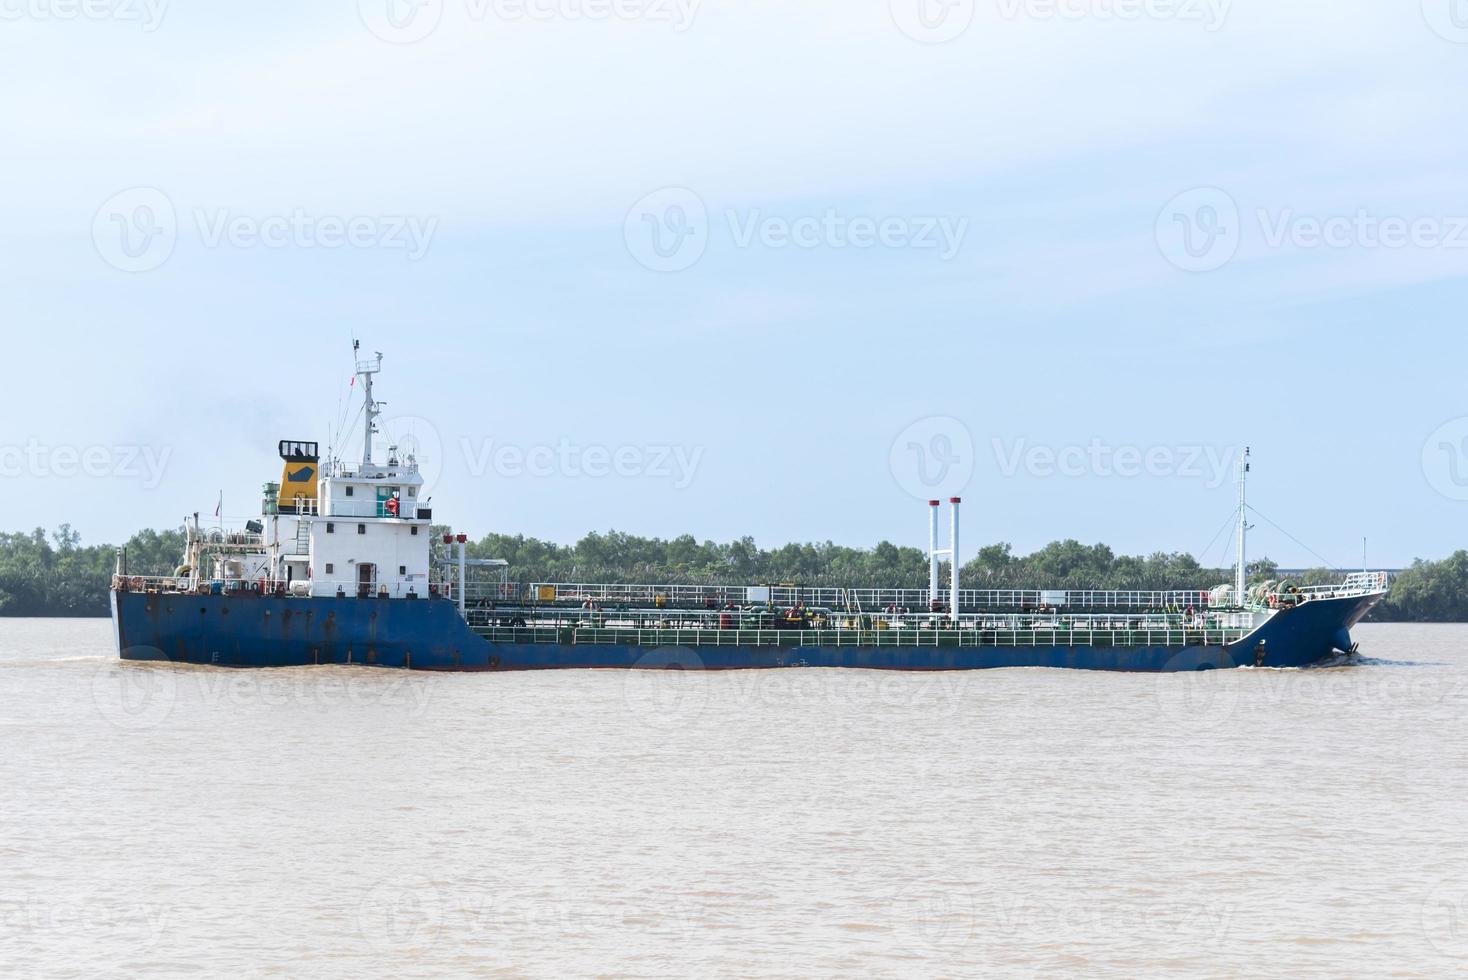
x=349, y=490
x=330, y=528
x=402, y=569
x=415, y=528
x=361, y=528
x=330, y=568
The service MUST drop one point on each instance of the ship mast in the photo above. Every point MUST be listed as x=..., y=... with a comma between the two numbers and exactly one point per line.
x=1242, y=577
x=365, y=370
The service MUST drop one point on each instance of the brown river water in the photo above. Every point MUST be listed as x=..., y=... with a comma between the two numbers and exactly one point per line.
x=351, y=822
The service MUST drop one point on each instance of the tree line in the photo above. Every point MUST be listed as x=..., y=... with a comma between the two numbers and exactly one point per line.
x=57, y=575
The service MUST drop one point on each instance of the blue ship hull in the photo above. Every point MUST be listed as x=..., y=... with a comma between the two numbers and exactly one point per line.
x=429, y=634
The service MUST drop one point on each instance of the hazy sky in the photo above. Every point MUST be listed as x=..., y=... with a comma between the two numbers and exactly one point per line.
x=780, y=269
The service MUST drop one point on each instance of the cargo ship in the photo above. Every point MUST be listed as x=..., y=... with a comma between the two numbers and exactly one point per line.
x=343, y=567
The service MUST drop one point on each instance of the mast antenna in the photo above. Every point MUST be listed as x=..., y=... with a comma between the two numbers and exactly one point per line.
x=1242, y=578
x=365, y=370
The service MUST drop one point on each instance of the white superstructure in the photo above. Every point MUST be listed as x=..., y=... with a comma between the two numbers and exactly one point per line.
x=330, y=528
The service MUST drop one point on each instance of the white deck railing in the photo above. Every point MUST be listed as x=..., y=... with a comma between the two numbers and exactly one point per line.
x=861, y=600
